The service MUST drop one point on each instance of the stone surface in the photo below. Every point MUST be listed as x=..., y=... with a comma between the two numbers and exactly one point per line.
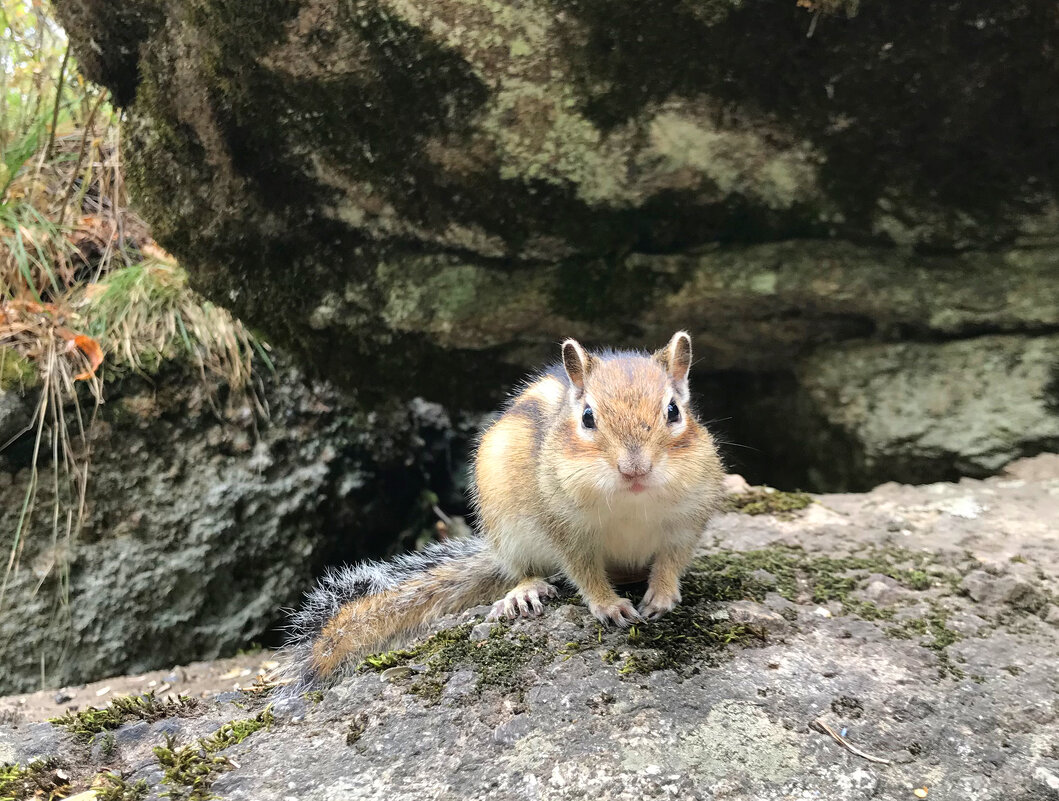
x=421, y=198
x=204, y=521
x=974, y=405
x=971, y=717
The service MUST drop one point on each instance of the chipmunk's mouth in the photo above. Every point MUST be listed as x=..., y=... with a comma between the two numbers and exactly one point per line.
x=635, y=485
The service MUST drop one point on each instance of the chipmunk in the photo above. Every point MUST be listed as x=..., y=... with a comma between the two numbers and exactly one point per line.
x=598, y=464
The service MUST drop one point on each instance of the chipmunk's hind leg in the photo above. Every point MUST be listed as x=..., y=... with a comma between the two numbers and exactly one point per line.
x=525, y=600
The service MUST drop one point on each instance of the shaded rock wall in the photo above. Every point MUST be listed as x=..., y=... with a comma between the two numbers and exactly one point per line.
x=422, y=197
x=205, y=522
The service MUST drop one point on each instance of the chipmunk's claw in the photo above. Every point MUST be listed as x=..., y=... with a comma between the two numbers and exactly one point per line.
x=523, y=601
x=655, y=604
x=621, y=613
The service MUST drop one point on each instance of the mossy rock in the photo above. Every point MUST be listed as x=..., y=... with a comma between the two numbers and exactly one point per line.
x=420, y=200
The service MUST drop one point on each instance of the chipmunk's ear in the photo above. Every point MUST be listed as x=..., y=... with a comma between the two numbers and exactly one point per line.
x=577, y=363
x=676, y=359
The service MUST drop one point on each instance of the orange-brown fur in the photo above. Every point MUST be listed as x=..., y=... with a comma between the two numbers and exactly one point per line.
x=556, y=498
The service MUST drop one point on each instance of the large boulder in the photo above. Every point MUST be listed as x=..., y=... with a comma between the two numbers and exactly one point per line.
x=420, y=197
x=892, y=645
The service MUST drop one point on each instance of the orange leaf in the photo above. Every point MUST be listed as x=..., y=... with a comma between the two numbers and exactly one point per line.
x=92, y=351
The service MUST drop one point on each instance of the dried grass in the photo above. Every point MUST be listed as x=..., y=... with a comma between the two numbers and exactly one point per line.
x=84, y=289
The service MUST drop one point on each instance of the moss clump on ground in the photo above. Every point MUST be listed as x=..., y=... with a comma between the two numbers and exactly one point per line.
x=934, y=633
x=191, y=770
x=691, y=635
x=801, y=577
x=768, y=502
x=114, y=787
x=87, y=723
x=42, y=778
x=686, y=637
x=498, y=661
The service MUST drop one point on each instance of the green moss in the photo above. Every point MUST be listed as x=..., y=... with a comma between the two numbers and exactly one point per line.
x=114, y=787
x=915, y=579
x=498, y=661
x=686, y=637
x=92, y=721
x=356, y=728
x=768, y=502
x=190, y=771
x=236, y=731
x=107, y=745
x=16, y=373
x=799, y=576
x=934, y=633
x=691, y=635
x=866, y=610
x=42, y=778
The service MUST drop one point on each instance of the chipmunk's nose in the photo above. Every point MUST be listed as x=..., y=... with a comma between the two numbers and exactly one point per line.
x=634, y=464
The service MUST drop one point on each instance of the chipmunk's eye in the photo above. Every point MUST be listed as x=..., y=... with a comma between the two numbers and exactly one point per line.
x=672, y=412
x=588, y=418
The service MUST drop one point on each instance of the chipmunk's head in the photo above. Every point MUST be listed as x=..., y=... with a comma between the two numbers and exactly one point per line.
x=630, y=429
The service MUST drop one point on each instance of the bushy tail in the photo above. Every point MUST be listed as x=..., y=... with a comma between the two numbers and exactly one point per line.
x=358, y=610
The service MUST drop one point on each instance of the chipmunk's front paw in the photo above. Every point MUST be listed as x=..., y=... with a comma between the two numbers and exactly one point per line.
x=524, y=600
x=655, y=603
x=621, y=613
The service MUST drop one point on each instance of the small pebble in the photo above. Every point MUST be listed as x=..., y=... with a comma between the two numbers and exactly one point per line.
x=398, y=672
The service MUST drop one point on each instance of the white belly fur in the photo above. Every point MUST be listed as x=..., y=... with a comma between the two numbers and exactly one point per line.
x=628, y=533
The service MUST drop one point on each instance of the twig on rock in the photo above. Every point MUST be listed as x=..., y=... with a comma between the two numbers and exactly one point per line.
x=820, y=726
